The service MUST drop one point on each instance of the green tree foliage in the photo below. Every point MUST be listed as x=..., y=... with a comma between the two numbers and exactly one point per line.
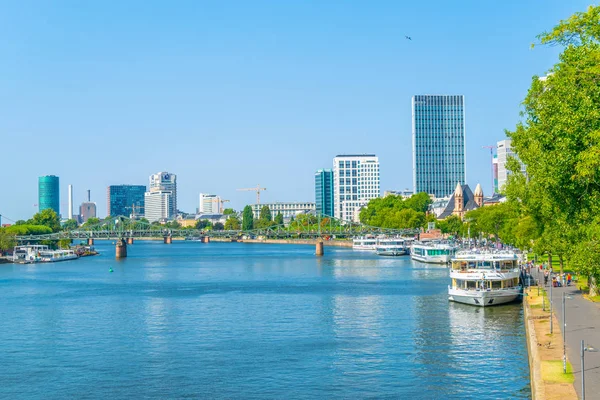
x=394, y=212
x=64, y=243
x=20, y=222
x=232, y=224
x=92, y=221
x=496, y=220
x=559, y=142
x=265, y=214
x=228, y=211
x=70, y=224
x=452, y=225
x=204, y=224
x=218, y=226
x=7, y=240
x=47, y=217
x=24, y=230
x=279, y=219
x=247, y=219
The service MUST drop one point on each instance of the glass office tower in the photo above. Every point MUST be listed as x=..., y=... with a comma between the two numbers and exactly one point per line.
x=125, y=200
x=438, y=140
x=49, y=193
x=324, y=192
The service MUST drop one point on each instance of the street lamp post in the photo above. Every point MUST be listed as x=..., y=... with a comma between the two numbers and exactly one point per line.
x=551, y=319
x=583, y=350
x=564, y=332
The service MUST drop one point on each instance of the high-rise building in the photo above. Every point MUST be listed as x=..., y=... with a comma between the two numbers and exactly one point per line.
x=158, y=205
x=355, y=182
x=438, y=140
x=70, y=212
x=87, y=210
x=166, y=182
x=324, y=191
x=125, y=200
x=209, y=204
x=49, y=193
x=504, y=151
x=287, y=210
x=495, y=168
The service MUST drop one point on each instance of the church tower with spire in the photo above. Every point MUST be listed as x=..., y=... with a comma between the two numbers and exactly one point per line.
x=458, y=201
x=478, y=195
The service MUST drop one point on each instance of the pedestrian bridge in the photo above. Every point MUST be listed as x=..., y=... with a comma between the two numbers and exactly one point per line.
x=124, y=228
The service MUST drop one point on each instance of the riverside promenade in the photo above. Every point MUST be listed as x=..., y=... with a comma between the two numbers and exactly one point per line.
x=583, y=323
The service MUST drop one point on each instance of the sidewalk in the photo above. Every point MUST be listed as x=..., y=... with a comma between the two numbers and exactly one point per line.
x=583, y=323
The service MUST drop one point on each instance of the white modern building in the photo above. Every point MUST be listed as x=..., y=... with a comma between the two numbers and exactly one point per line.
x=157, y=205
x=209, y=204
x=405, y=194
x=70, y=213
x=504, y=151
x=287, y=210
x=355, y=182
x=164, y=183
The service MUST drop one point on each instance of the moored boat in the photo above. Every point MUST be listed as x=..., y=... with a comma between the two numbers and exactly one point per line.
x=391, y=250
x=28, y=254
x=432, y=252
x=58, y=255
x=485, y=278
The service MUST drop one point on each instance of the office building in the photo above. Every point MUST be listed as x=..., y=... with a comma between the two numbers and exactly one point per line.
x=70, y=211
x=125, y=200
x=355, y=182
x=405, y=194
x=209, y=204
x=324, y=192
x=438, y=140
x=165, y=182
x=49, y=193
x=504, y=152
x=287, y=210
x=158, y=205
x=495, y=169
x=87, y=210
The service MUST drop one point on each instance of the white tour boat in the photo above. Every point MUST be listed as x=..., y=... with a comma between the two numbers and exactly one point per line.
x=391, y=250
x=374, y=243
x=433, y=253
x=485, y=278
x=364, y=243
x=58, y=255
x=29, y=254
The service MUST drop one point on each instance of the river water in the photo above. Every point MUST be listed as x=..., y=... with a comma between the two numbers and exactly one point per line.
x=234, y=320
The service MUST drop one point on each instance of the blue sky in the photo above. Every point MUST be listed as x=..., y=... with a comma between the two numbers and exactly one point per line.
x=230, y=94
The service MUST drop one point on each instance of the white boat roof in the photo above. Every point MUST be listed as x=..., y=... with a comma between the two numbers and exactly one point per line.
x=485, y=255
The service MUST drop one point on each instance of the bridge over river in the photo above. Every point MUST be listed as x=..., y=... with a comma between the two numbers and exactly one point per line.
x=124, y=230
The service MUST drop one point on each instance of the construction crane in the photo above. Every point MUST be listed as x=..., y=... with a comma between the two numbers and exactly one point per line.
x=220, y=203
x=257, y=189
x=492, y=164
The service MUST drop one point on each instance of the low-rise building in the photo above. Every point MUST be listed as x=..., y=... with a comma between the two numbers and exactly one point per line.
x=287, y=210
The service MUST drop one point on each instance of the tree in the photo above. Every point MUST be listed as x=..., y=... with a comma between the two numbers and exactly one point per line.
x=265, y=214
x=47, y=217
x=64, y=243
x=203, y=224
x=395, y=212
x=279, y=219
x=92, y=221
x=232, y=224
x=228, y=211
x=218, y=226
x=247, y=219
x=559, y=142
x=493, y=219
x=7, y=240
x=20, y=222
x=70, y=224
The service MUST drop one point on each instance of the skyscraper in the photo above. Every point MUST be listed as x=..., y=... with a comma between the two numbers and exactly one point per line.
x=125, y=200
x=49, y=193
x=70, y=212
x=438, y=140
x=324, y=191
x=167, y=183
x=158, y=205
x=355, y=182
x=209, y=204
x=504, y=151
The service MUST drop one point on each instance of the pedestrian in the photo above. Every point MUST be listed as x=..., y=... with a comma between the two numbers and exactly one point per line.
x=569, y=279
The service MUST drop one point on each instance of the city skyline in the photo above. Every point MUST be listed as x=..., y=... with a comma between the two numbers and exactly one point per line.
x=280, y=97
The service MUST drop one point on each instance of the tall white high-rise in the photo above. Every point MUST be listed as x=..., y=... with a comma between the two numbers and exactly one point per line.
x=70, y=213
x=504, y=151
x=157, y=205
x=355, y=182
x=209, y=204
x=165, y=182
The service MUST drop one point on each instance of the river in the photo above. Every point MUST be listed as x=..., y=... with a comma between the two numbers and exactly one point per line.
x=234, y=320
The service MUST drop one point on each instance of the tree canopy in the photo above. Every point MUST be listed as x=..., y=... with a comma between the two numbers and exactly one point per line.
x=247, y=219
x=47, y=217
x=395, y=212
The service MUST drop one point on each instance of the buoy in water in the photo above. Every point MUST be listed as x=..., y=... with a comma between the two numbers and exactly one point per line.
x=110, y=270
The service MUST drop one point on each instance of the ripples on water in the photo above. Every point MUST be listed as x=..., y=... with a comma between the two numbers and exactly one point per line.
x=194, y=320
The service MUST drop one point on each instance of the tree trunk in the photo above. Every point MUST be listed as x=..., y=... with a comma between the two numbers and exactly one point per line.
x=560, y=259
x=592, y=285
x=549, y=260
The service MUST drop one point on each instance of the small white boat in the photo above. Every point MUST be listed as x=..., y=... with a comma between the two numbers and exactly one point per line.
x=58, y=255
x=433, y=253
x=392, y=251
x=485, y=278
x=372, y=242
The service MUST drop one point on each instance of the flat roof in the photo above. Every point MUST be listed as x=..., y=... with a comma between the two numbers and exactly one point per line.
x=356, y=155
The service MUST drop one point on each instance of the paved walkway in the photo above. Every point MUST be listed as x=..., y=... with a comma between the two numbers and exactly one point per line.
x=583, y=323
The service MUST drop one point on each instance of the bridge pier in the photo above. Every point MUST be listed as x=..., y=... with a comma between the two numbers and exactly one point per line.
x=129, y=240
x=121, y=249
x=205, y=239
x=319, y=247
x=168, y=239
x=90, y=241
